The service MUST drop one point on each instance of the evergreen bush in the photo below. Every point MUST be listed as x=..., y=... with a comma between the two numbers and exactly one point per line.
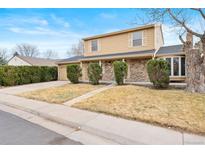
x=158, y=71
x=120, y=71
x=18, y=75
x=73, y=73
x=94, y=73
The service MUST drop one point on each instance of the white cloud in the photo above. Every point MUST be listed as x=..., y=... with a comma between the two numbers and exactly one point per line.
x=108, y=15
x=60, y=21
x=17, y=20
x=42, y=22
x=111, y=30
x=171, y=33
x=44, y=38
x=60, y=45
x=171, y=37
x=44, y=31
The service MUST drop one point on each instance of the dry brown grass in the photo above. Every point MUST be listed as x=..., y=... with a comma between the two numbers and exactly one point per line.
x=60, y=94
x=174, y=108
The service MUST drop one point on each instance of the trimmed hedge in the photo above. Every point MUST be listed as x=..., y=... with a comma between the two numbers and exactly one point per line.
x=120, y=71
x=18, y=75
x=94, y=73
x=158, y=71
x=74, y=72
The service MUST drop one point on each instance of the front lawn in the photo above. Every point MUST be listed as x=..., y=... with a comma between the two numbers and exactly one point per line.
x=60, y=94
x=170, y=108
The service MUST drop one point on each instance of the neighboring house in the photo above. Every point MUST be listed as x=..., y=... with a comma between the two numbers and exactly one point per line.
x=18, y=60
x=135, y=46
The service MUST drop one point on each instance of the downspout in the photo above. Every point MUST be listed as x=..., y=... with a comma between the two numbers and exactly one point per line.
x=154, y=55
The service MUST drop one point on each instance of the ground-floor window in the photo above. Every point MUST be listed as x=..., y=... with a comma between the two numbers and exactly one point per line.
x=177, y=65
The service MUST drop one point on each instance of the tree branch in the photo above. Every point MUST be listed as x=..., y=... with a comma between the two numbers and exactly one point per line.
x=181, y=39
x=182, y=23
x=200, y=11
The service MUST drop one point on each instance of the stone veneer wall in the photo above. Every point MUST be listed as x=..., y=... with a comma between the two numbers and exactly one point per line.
x=84, y=71
x=108, y=73
x=137, y=70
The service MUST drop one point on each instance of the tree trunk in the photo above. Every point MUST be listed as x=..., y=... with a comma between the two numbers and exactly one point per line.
x=195, y=68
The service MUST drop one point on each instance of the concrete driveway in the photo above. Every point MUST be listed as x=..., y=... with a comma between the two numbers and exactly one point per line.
x=30, y=87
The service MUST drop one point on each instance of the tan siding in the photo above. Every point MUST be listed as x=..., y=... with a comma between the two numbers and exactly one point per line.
x=62, y=72
x=85, y=71
x=121, y=43
x=158, y=37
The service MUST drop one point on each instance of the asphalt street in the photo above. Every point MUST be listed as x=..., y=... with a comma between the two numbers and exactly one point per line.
x=17, y=131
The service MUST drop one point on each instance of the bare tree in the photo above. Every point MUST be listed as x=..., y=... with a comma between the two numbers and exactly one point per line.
x=195, y=58
x=76, y=49
x=3, y=56
x=50, y=54
x=25, y=49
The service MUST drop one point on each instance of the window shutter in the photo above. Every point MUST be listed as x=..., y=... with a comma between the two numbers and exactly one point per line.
x=90, y=46
x=99, y=45
x=130, y=40
x=144, y=38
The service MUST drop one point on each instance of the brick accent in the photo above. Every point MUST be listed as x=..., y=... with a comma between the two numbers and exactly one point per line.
x=85, y=71
x=137, y=70
x=108, y=74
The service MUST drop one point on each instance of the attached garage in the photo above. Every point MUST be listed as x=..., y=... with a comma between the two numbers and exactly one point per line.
x=62, y=72
x=62, y=66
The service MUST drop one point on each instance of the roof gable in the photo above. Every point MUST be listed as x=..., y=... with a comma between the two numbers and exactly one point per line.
x=38, y=61
x=119, y=32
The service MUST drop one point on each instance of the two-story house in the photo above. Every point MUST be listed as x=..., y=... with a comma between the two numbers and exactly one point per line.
x=135, y=46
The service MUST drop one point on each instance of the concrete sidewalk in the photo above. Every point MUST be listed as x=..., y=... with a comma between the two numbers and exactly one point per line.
x=115, y=129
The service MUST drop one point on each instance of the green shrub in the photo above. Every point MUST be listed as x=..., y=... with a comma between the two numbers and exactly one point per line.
x=120, y=71
x=73, y=73
x=94, y=73
x=9, y=76
x=18, y=75
x=24, y=75
x=158, y=71
x=53, y=71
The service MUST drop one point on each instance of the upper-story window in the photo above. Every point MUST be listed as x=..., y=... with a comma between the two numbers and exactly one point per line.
x=94, y=45
x=137, y=39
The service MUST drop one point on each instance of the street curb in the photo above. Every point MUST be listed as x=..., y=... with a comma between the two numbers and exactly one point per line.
x=116, y=138
x=110, y=136
x=43, y=115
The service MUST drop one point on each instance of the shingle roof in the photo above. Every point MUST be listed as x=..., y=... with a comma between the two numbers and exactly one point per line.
x=38, y=61
x=174, y=49
x=70, y=59
x=123, y=54
x=107, y=56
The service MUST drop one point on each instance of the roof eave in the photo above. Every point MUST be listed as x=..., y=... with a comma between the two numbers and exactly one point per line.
x=119, y=57
x=108, y=58
x=67, y=62
x=170, y=54
x=119, y=32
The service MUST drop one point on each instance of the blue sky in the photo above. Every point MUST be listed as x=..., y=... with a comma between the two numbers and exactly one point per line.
x=58, y=29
